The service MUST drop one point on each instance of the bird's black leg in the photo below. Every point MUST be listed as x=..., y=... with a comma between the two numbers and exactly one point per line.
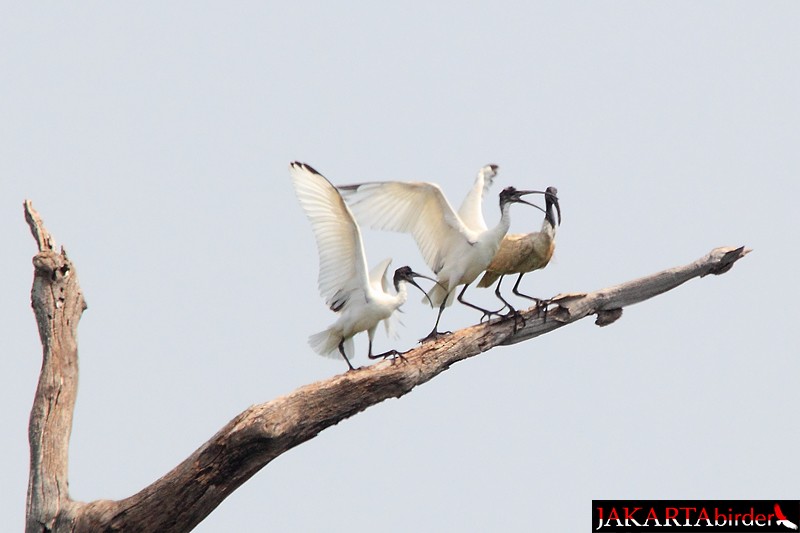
x=485, y=315
x=486, y=312
x=384, y=355
x=511, y=311
x=435, y=334
x=540, y=303
x=391, y=353
x=341, y=351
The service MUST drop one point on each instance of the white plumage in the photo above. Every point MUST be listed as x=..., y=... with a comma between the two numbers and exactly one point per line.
x=471, y=210
x=456, y=246
x=361, y=298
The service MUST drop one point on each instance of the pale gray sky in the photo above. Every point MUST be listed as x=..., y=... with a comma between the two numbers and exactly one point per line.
x=154, y=139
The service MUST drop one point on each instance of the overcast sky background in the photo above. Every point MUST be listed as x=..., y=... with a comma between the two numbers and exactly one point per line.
x=154, y=139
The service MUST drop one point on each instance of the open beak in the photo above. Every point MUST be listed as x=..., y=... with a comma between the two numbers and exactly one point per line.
x=519, y=199
x=414, y=283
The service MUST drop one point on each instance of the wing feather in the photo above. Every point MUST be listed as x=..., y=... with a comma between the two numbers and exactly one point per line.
x=471, y=210
x=377, y=276
x=418, y=208
x=342, y=262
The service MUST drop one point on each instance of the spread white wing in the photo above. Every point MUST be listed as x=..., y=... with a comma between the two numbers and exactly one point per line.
x=411, y=207
x=378, y=278
x=342, y=265
x=471, y=211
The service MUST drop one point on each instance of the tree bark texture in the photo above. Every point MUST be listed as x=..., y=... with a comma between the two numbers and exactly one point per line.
x=183, y=497
x=58, y=304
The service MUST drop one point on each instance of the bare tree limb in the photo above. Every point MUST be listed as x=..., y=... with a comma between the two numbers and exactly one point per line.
x=186, y=495
x=58, y=304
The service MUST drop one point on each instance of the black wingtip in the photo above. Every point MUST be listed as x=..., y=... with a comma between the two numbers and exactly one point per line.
x=304, y=166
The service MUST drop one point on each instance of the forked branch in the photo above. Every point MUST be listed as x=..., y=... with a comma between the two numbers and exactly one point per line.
x=185, y=496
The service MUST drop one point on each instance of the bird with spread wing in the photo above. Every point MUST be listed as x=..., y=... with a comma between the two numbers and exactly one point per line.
x=362, y=299
x=457, y=246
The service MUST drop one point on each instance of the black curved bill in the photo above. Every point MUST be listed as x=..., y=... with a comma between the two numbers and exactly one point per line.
x=558, y=209
x=523, y=193
x=552, y=196
x=413, y=275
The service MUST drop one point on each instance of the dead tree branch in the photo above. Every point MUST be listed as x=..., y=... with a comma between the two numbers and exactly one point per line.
x=58, y=304
x=185, y=496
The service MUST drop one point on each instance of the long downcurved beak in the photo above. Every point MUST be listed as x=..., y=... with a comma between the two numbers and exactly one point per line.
x=413, y=275
x=558, y=208
x=523, y=193
x=551, y=197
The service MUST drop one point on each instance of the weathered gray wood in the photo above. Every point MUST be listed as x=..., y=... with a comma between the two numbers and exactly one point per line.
x=58, y=304
x=185, y=496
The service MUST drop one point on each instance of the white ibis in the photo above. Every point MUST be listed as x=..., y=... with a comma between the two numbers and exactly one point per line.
x=521, y=253
x=456, y=246
x=362, y=300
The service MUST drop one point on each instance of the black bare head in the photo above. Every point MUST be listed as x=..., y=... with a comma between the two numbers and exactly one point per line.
x=406, y=274
x=551, y=199
x=511, y=195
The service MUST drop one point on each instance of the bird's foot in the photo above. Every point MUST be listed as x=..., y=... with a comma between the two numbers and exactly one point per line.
x=394, y=354
x=350, y=365
x=487, y=315
x=433, y=335
x=517, y=316
x=399, y=355
x=542, y=304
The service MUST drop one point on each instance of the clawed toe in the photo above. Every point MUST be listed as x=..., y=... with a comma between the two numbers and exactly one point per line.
x=487, y=315
x=394, y=354
x=433, y=335
x=541, y=307
x=516, y=315
x=399, y=355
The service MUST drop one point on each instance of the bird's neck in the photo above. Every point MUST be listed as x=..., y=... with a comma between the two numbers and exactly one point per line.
x=505, y=222
x=549, y=222
x=402, y=293
x=548, y=228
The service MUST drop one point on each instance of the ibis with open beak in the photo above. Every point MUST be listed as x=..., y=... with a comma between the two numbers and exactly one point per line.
x=456, y=246
x=521, y=253
x=361, y=298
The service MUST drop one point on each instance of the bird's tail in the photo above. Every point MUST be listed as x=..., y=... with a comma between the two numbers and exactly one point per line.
x=437, y=295
x=488, y=279
x=326, y=343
